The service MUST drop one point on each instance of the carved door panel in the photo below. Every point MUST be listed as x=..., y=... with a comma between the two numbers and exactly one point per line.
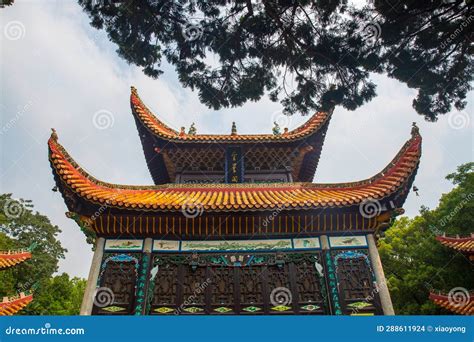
x=251, y=293
x=237, y=283
x=194, y=283
x=116, y=294
x=222, y=290
x=356, y=283
x=164, y=288
x=311, y=293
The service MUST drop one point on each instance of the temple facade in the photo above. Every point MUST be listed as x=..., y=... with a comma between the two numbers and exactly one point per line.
x=234, y=225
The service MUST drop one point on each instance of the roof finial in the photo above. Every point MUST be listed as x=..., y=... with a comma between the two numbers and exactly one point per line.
x=192, y=129
x=182, y=132
x=276, y=128
x=414, y=129
x=54, y=135
x=234, y=129
x=133, y=89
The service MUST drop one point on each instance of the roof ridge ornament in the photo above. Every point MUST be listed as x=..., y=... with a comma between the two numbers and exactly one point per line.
x=192, y=129
x=234, y=129
x=276, y=128
x=414, y=129
x=54, y=135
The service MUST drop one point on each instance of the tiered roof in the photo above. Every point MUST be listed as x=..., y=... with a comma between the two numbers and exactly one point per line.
x=160, y=141
x=161, y=130
x=464, y=245
x=237, y=197
x=11, y=258
x=463, y=307
x=11, y=305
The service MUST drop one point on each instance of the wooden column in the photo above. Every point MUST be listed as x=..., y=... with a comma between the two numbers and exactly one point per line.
x=324, y=242
x=384, y=295
x=88, y=299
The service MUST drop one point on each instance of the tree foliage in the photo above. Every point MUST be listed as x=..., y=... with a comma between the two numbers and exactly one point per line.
x=21, y=227
x=415, y=263
x=309, y=55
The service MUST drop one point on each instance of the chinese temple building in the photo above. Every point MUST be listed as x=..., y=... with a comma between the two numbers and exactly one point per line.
x=234, y=225
x=459, y=300
x=11, y=305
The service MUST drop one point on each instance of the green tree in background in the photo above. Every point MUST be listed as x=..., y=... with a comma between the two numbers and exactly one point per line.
x=21, y=227
x=60, y=295
x=415, y=263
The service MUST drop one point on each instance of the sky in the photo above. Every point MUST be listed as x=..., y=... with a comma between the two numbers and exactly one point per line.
x=57, y=71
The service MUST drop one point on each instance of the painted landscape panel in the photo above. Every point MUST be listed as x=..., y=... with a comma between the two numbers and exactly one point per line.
x=348, y=241
x=306, y=243
x=165, y=245
x=236, y=245
x=123, y=245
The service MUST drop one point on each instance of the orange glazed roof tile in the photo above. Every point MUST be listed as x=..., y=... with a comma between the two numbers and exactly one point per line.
x=11, y=305
x=11, y=258
x=461, y=244
x=465, y=307
x=225, y=197
x=157, y=127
